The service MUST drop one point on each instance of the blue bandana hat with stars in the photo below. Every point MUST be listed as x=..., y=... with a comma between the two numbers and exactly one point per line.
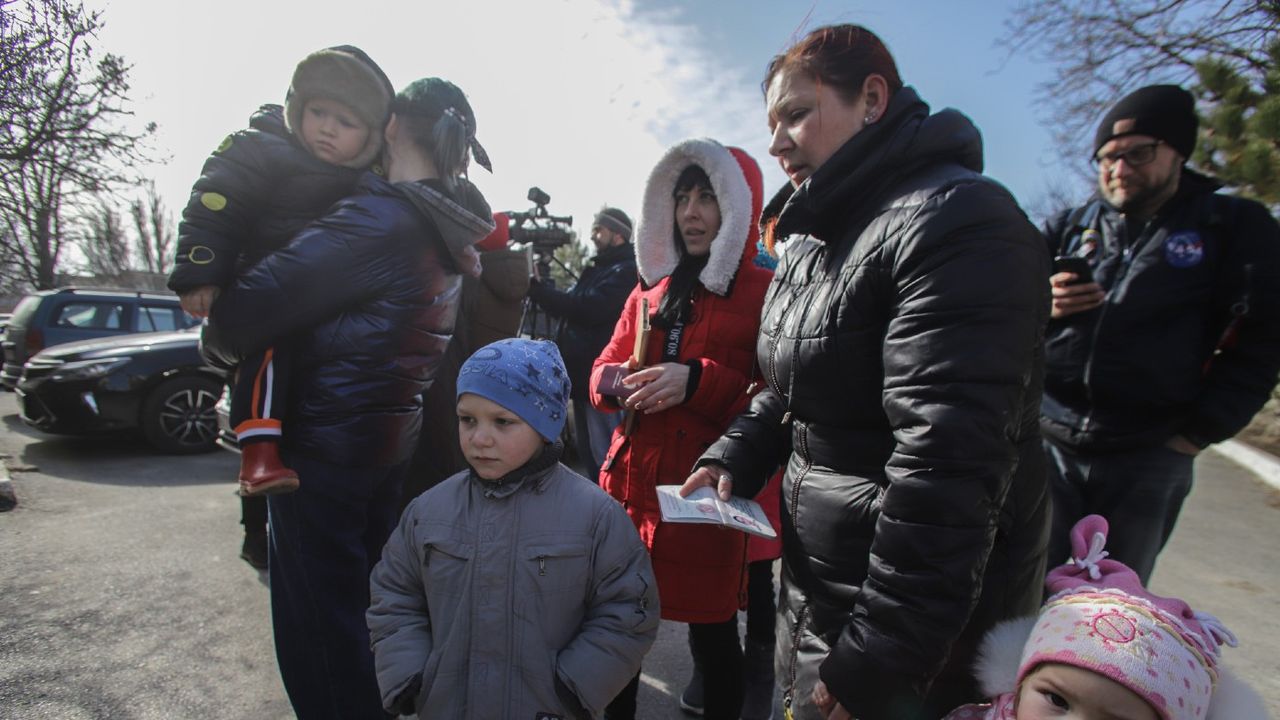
x=526, y=377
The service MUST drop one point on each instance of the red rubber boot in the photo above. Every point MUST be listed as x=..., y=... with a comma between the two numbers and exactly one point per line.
x=262, y=473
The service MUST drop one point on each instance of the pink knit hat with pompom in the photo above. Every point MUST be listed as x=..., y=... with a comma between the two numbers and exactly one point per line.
x=1100, y=618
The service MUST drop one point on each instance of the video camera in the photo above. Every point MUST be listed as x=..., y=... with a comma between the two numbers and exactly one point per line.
x=543, y=233
x=538, y=228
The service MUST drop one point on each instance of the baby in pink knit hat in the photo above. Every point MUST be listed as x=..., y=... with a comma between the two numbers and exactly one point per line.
x=1105, y=647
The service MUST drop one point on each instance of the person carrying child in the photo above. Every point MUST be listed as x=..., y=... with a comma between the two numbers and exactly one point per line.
x=256, y=191
x=1104, y=647
x=517, y=588
x=368, y=296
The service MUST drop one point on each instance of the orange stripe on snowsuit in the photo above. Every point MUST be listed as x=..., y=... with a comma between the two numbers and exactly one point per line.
x=266, y=424
x=256, y=411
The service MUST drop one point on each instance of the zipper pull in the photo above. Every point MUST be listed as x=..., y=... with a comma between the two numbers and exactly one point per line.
x=786, y=417
x=786, y=707
x=542, y=564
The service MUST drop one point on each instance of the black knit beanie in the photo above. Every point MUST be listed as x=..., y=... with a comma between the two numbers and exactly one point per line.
x=1164, y=112
x=612, y=218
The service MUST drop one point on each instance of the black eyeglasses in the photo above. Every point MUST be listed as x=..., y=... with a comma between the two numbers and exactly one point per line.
x=1134, y=156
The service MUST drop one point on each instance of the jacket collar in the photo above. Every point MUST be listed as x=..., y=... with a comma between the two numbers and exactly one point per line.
x=613, y=254
x=460, y=214
x=270, y=118
x=866, y=167
x=533, y=473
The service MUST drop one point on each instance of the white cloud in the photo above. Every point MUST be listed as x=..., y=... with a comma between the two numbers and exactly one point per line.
x=578, y=97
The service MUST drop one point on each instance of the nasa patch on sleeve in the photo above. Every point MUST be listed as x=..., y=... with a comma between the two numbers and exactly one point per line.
x=1184, y=249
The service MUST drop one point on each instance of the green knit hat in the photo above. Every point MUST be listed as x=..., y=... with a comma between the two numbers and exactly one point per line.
x=432, y=98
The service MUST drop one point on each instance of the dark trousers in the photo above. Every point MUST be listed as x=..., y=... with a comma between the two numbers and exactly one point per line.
x=716, y=650
x=1139, y=492
x=258, y=393
x=253, y=514
x=325, y=539
x=762, y=609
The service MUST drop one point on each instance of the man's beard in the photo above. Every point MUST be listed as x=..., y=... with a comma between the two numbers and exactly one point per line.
x=1141, y=198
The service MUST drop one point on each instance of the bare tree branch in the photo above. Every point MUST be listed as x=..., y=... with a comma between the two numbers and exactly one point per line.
x=69, y=134
x=1101, y=49
x=154, y=228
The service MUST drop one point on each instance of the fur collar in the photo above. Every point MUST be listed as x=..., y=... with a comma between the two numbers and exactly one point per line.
x=656, y=253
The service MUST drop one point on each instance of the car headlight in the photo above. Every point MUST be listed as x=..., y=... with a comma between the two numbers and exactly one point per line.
x=87, y=369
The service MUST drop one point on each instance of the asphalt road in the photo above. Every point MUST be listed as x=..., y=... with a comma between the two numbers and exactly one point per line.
x=122, y=594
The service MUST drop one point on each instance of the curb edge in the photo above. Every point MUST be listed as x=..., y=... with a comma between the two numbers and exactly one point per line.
x=1262, y=464
x=8, y=497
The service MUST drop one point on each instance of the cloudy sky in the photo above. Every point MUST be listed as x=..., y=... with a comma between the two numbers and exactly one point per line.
x=578, y=97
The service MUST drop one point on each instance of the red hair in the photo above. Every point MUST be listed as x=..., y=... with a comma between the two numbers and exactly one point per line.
x=841, y=56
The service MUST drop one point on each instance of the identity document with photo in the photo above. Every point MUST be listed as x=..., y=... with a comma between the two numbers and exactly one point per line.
x=704, y=506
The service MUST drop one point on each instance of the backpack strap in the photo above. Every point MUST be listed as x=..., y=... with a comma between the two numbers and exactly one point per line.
x=1220, y=222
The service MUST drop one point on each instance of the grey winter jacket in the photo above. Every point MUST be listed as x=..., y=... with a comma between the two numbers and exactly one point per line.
x=527, y=598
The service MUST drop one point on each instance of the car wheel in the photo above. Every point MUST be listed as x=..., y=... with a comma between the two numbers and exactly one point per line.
x=179, y=415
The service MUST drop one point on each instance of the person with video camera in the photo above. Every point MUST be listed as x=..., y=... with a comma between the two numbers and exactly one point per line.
x=588, y=312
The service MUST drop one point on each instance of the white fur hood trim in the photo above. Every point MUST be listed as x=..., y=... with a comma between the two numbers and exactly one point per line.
x=1000, y=655
x=1235, y=700
x=656, y=254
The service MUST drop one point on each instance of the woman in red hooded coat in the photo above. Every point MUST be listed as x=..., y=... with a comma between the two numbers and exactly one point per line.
x=695, y=243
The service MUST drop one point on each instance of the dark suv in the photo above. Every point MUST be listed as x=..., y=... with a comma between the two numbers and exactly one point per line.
x=54, y=317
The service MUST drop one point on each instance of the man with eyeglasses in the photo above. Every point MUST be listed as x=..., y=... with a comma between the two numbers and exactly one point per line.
x=1164, y=334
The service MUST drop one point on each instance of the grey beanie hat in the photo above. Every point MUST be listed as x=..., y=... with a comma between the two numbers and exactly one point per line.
x=611, y=218
x=346, y=74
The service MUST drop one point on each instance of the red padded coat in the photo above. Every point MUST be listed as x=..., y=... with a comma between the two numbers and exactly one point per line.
x=700, y=568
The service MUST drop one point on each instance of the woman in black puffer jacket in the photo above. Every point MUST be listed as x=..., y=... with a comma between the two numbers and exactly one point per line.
x=901, y=340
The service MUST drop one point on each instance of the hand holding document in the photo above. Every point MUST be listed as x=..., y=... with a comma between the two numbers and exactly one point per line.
x=703, y=506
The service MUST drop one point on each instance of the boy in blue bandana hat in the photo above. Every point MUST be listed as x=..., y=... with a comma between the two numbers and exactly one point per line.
x=517, y=588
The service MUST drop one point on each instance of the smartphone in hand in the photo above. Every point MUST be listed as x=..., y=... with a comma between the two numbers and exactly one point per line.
x=1078, y=265
x=611, y=377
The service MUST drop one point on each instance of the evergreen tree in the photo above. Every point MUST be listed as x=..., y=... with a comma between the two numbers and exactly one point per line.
x=1102, y=49
x=1240, y=128
x=573, y=256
